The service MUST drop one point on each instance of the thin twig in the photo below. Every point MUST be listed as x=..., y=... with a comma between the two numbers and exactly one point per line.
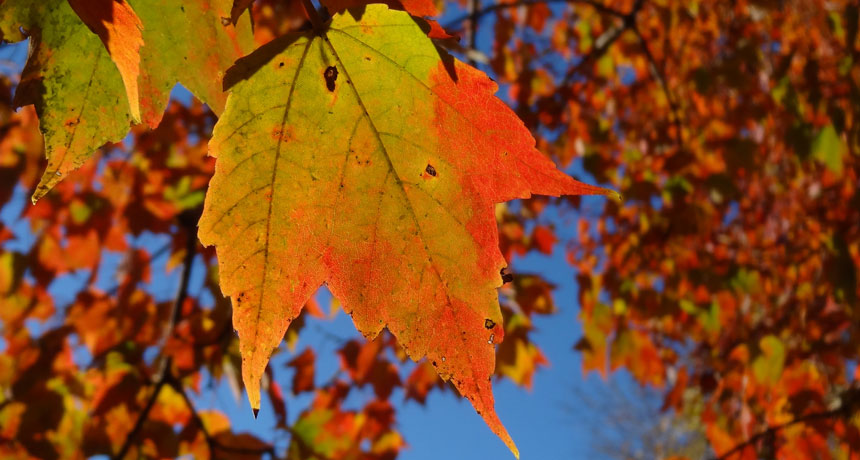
x=141, y=419
x=312, y=14
x=472, y=31
x=215, y=445
x=660, y=76
x=605, y=41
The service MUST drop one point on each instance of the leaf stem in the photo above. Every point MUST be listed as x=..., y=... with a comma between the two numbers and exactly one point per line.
x=660, y=76
x=312, y=15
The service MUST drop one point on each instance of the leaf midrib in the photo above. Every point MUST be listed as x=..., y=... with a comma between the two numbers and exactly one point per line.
x=273, y=181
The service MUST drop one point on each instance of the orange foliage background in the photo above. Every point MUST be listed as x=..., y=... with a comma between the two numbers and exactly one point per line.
x=727, y=278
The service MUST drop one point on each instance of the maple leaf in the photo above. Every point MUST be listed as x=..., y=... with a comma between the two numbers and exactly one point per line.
x=87, y=93
x=372, y=162
x=118, y=27
x=76, y=89
x=191, y=42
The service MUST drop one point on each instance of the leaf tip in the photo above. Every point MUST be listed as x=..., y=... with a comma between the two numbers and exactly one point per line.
x=614, y=196
x=511, y=446
x=50, y=178
x=256, y=411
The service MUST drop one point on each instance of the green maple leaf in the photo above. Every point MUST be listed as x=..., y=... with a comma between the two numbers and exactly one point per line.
x=78, y=64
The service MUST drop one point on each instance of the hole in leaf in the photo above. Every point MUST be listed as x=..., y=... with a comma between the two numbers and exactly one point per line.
x=330, y=76
x=506, y=277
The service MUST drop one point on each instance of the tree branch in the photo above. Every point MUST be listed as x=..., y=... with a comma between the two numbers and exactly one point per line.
x=605, y=41
x=141, y=419
x=843, y=410
x=479, y=14
x=472, y=36
x=312, y=14
x=164, y=372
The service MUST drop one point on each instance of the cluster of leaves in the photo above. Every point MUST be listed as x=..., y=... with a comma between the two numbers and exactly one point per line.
x=729, y=275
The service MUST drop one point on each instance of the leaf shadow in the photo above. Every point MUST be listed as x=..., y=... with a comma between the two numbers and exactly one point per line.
x=247, y=66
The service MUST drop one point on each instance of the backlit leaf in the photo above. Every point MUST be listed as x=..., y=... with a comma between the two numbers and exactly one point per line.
x=118, y=27
x=191, y=42
x=365, y=158
x=77, y=90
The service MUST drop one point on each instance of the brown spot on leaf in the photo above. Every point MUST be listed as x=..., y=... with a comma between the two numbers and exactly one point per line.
x=330, y=76
x=225, y=21
x=489, y=324
x=430, y=170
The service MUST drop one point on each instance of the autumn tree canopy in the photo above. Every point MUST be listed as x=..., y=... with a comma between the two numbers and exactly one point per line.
x=375, y=148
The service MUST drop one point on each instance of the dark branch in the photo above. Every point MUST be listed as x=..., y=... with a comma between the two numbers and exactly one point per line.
x=628, y=21
x=593, y=55
x=312, y=14
x=214, y=444
x=187, y=220
x=165, y=374
x=842, y=411
x=474, y=8
x=479, y=14
x=141, y=419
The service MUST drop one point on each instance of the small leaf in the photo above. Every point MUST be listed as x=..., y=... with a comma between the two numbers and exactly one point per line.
x=829, y=149
x=768, y=366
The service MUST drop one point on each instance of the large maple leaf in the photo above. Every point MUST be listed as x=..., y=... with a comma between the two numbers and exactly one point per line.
x=363, y=157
